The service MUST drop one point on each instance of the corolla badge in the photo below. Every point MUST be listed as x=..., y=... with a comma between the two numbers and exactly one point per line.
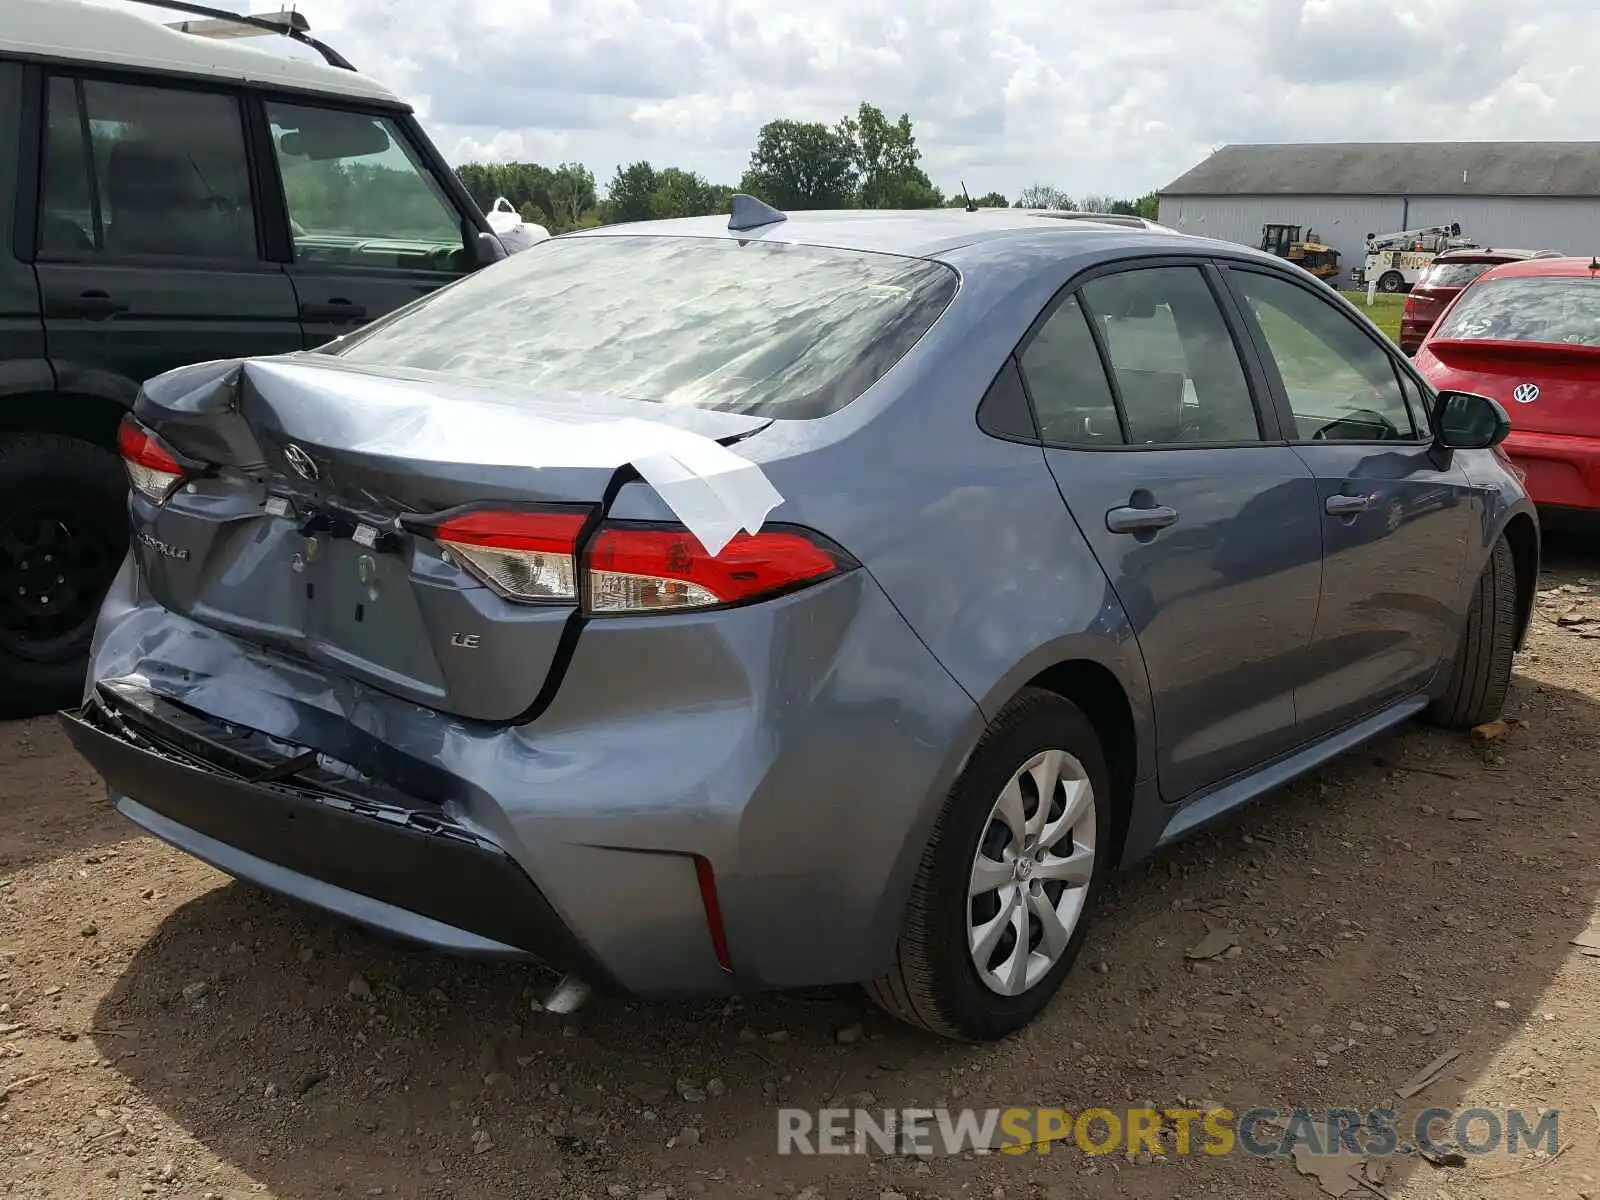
x=1525, y=393
x=301, y=462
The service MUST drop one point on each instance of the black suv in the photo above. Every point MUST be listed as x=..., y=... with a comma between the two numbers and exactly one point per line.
x=174, y=199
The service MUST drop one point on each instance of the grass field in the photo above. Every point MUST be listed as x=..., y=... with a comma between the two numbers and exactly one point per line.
x=1384, y=313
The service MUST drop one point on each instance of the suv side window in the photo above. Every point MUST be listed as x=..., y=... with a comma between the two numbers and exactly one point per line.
x=134, y=170
x=1341, y=384
x=1175, y=365
x=1071, y=399
x=359, y=195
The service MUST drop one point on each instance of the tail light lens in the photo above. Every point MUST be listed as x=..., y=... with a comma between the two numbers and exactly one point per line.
x=534, y=556
x=152, y=470
x=529, y=556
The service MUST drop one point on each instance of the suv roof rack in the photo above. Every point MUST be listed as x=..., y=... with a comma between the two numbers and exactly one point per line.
x=218, y=21
x=1123, y=219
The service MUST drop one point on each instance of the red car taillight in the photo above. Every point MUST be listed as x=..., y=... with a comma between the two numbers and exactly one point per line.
x=152, y=470
x=535, y=556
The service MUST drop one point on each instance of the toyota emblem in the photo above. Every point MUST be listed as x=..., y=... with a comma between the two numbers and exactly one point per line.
x=1526, y=393
x=301, y=462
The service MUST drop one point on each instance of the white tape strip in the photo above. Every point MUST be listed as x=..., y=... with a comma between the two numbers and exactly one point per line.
x=712, y=490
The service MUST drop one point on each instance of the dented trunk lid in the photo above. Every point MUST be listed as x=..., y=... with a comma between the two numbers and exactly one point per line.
x=293, y=539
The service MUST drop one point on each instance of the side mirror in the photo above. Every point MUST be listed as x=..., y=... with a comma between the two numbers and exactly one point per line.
x=1468, y=421
x=485, y=249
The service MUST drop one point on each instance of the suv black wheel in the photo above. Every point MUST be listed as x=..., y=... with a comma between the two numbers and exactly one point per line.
x=1481, y=673
x=999, y=909
x=63, y=534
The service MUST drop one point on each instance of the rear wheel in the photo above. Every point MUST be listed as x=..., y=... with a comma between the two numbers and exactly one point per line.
x=999, y=908
x=63, y=535
x=1481, y=673
x=1391, y=282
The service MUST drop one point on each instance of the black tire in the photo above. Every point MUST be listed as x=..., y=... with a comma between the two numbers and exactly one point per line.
x=933, y=983
x=63, y=502
x=1481, y=673
x=1391, y=282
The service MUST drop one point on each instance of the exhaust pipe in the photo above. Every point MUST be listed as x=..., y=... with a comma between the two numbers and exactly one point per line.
x=568, y=996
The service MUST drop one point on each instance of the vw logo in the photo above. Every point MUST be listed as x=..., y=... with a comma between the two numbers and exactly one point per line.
x=1526, y=393
x=301, y=462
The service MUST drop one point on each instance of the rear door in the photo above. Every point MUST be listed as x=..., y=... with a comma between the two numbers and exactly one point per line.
x=1205, y=525
x=370, y=225
x=1395, y=526
x=149, y=251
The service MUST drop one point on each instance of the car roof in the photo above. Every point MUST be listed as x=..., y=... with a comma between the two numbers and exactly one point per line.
x=1569, y=267
x=931, y=232
x=81, y=32
x=1504, y=253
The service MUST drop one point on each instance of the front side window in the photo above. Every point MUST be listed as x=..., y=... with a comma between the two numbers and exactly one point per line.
x=359, y=195
x=1340, y=382
x=133, y=170
x=1550, y=309
x=1176, y=367
x=762, y=328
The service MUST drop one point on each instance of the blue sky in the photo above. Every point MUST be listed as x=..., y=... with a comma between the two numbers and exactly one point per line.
x=1100, y=97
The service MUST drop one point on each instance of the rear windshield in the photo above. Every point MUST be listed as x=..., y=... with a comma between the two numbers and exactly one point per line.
x=762, y=328
x=1550, y=309
x=1454, y=274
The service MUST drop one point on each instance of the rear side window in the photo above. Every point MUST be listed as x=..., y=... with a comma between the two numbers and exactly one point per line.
x=1071, y=399
x=1454, y=274
x=1552, y=309
x=1177, y=368
x=132, y=170
x=762, y=328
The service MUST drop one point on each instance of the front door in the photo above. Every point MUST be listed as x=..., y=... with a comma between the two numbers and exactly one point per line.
x=148, y=252
x=371, y=228
x=1207, y=532
x=1395, y=526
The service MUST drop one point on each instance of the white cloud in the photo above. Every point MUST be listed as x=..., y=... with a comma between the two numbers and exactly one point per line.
x=1087, y=95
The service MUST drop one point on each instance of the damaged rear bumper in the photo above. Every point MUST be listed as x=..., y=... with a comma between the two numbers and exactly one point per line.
x=261, y=812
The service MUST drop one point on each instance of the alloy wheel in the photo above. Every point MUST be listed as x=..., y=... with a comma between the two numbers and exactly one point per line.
x=1031, y=873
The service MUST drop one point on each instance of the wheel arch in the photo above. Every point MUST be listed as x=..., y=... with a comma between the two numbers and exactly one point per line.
x=85, y=416
x=1522, y=535
x=1097, y=692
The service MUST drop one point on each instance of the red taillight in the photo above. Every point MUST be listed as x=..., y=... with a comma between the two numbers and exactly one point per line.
x=648, y=570
x=533, y=556
x=152, y=470
x=709, y=900
x=522, y=555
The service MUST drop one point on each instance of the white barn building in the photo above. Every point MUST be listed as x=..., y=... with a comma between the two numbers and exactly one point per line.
x=1532, y=195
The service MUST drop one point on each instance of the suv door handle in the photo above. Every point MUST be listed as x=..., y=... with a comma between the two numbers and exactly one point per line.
x=93, y=306
x=333, y=310
x=1129, y=519
x=1348, y=506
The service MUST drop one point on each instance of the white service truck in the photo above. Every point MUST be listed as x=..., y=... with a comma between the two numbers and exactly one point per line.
x=1395, y=261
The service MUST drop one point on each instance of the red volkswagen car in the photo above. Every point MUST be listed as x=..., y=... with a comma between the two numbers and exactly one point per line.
x=1528, y=335
x=1441, y=281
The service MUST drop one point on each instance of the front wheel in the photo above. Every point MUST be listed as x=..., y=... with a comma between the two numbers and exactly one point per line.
x=63, y=535
x=1391, y=282
x=1480, y=676
x=1000, y=905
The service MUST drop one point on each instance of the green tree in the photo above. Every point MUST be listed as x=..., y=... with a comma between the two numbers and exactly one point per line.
x=630, y=196
x=572, y=197
x=885, y=157
x=801, y=164
x=1042, y=195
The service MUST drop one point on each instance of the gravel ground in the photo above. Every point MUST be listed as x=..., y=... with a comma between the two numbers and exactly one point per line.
x=166, y=1032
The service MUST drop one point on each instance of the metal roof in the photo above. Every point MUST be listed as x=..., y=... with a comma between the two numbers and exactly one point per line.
x=920, y=232
x=1396, y=169
x=78, y=31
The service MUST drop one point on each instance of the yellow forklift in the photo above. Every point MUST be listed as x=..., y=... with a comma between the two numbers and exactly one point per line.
x=1284, y=240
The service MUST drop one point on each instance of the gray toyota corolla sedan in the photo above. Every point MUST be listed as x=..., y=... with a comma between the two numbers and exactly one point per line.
x=769, y=602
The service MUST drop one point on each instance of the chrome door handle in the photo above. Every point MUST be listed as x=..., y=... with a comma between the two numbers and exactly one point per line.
x=1128, y=519
x=1347, y=506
